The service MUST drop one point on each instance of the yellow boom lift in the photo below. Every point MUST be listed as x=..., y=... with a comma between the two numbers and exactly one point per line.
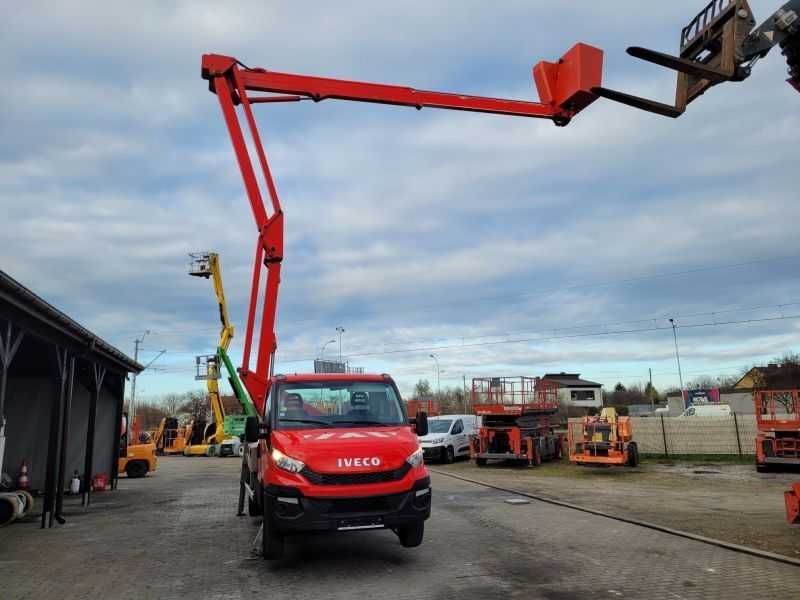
x=223, y=436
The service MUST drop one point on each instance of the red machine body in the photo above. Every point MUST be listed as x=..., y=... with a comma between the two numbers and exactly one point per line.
x=778, y=423
x=516, y=420
x=371, y=496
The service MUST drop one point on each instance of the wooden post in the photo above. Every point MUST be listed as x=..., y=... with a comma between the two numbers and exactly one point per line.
x=664, y=435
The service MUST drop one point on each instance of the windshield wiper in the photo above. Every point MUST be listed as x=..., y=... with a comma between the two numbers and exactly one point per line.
x=315, y=421
x=360, y=422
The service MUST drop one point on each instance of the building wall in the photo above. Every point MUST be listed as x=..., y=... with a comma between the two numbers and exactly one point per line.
x=565, y=397
x=28, y=406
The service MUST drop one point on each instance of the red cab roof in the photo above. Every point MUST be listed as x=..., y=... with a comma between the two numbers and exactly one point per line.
x=303, y=377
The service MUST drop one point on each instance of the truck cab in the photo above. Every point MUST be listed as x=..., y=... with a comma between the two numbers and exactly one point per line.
x=335, y=452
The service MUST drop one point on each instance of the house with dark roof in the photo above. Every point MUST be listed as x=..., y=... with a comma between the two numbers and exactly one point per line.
x=574, y=391
x=771, y=377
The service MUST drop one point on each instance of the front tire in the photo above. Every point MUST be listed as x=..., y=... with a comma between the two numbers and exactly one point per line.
x=448, y=455
x=411, y=535
x=271, y=541
x=136, y=469
x=633, y=455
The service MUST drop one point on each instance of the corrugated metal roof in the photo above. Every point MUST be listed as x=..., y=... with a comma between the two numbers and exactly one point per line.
x=24, y=299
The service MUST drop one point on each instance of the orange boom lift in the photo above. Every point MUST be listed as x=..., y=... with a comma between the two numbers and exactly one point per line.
x=606, y=439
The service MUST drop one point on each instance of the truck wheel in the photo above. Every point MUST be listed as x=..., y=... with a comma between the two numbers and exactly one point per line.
x=762, y=468
x=136, y=469
x=254, y=504
x=411, y=535
x=633, y=455
x=240, y=450
x=271, y=540
x=448, y=455
x=481, y=462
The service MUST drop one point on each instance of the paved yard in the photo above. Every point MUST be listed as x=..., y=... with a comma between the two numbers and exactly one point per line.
x=175, y=535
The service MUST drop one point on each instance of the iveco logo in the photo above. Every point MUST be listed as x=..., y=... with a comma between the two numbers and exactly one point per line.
x=359, y=461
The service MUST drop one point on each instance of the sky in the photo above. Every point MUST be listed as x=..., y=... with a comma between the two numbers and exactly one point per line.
x=504, y=246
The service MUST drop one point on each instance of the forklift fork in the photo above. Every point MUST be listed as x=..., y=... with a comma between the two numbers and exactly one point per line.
x=710, y=53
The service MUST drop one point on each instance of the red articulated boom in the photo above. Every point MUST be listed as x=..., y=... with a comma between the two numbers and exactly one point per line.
x=564, y=87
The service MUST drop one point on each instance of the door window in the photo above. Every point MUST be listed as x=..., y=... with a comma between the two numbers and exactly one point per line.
x=458, y=428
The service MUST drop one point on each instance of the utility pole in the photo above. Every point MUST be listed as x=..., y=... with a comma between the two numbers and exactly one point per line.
x=132, y=407
x=465, y=393
x=677, y=355
x=652, y=402
x=340, y=331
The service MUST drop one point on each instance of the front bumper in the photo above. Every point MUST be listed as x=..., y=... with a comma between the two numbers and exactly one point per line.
x=290, y=511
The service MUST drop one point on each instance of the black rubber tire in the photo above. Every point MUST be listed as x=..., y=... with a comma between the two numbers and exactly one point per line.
x=411, y=535
x=271, y=541
x=448, y=455
x=136, y=469
x=762, y=468
x=633, y=455
x=481, y=462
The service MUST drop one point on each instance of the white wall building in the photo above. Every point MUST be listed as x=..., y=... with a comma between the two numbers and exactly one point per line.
x=574, y=391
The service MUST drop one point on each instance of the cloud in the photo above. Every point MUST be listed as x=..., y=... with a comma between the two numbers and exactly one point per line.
x=410, y=228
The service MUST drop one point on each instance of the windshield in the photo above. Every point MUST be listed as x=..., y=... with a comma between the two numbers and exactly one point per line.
x=337, y=404
x=439, y=425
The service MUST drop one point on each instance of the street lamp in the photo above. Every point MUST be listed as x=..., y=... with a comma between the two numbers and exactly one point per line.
x=340, y=331
x=677, y=355
x=438, y=387
x=325, y=345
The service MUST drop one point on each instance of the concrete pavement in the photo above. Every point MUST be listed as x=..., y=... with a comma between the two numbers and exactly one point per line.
x=175, y=535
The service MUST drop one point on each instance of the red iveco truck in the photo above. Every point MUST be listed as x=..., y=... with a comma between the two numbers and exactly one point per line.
x=336, y=452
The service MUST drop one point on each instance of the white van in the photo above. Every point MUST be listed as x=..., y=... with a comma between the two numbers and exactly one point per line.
x=448, y=437
x=707, y=410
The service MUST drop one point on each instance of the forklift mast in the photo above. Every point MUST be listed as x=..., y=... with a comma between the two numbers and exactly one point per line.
x=564, y=87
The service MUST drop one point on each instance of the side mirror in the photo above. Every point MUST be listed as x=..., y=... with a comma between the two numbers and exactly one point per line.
x=251, y=430
x=421, y=424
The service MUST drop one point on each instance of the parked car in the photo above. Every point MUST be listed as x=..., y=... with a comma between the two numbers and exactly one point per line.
x=707, y=410
x=448, y=437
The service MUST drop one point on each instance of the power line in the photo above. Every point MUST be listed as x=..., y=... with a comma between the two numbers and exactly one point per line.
x=553, y=338
x=576, y=286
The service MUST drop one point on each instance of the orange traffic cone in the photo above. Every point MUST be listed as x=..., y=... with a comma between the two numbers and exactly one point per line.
x=23, y=483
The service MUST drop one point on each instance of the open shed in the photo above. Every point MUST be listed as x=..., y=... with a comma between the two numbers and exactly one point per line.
x=61, y=398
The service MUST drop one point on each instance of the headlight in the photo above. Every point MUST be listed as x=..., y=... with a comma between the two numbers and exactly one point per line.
x=286, y=463
x=415, y=459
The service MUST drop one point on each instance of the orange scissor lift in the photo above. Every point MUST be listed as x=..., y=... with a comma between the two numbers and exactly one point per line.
x=516, y=415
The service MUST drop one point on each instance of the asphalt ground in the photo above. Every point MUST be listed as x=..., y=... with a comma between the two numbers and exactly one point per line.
x=175, y=535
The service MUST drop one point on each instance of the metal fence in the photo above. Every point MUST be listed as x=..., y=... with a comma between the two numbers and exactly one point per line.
x=665, y=436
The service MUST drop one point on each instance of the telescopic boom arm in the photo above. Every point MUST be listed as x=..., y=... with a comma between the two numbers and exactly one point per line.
x=564, y=87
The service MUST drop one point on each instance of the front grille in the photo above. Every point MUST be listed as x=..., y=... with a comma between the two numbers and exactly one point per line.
x=355, y=478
